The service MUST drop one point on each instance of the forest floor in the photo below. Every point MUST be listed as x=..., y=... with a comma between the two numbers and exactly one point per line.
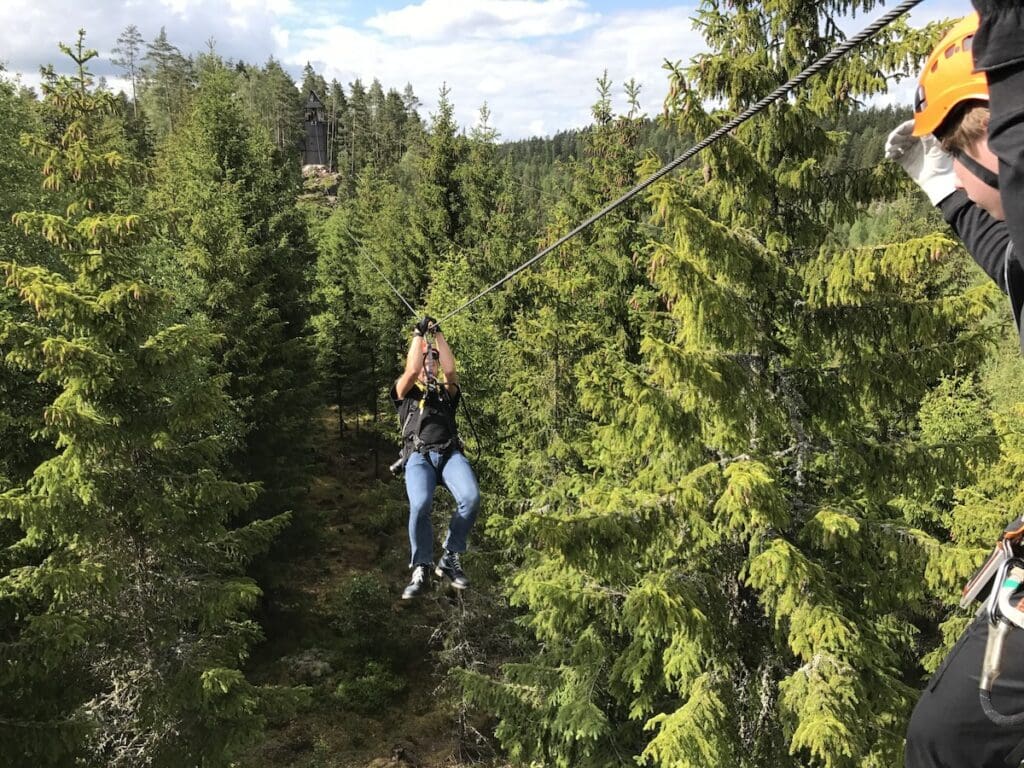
x=376, y=666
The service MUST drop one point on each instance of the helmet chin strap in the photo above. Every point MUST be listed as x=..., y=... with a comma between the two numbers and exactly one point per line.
x=978, y=170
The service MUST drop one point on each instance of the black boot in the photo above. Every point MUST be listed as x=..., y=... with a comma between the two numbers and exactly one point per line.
x=419, y=583
x=450, y=565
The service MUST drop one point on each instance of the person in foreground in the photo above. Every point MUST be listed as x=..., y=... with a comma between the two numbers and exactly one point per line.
x=426, y=399
x=965, y=149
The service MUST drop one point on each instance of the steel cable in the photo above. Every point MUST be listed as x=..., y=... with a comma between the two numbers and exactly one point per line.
x=824, y=62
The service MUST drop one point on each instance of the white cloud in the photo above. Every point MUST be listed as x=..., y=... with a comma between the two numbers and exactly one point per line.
x=486, y=19
x=533, y=61
x=242, y=29
x=527, y=84
x=281, y=37
x=491, y=85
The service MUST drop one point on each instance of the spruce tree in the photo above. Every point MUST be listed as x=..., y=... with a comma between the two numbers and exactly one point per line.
x=724, y=570
x=312, y=82
x=380, y=239
x=575, y=325
x=394, y=128
x=21, y=401
x=358, y=129
x=337, y=109
x=238, y=255
x=341, y=352
x=437, y=216
x=127, y=587
x=970, y=509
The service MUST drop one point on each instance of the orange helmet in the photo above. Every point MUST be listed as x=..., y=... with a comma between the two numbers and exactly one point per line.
x=948, y=78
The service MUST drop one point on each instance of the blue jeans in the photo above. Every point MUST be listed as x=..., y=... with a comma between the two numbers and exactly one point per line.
x=422, y=474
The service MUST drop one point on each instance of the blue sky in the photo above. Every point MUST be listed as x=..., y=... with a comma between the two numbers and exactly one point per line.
x=533, y=61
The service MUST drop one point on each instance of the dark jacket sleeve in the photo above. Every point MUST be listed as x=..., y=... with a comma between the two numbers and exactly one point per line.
x=998, y=42
x=999, y=51
x=984, y=237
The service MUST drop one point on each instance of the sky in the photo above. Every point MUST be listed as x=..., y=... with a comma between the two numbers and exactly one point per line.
x=534, y=62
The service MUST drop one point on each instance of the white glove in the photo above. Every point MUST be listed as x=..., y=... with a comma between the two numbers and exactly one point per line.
x=927, y=163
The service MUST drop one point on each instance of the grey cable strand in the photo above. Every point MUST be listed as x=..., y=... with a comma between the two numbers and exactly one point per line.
x=825, y=61
x=394, y=290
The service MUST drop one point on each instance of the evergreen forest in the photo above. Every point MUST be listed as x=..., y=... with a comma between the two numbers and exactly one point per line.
x=740, y=443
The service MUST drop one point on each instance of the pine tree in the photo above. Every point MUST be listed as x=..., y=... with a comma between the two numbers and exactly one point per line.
x=312, y=82
x=21, y=401
x=380, y=239
x=394, y=128
x=128, y=588
x=575, y=325
x=492, y=239
x=970, y=509
x=341, y=353
x=479, y=179
x=285, y=104
x=128, y=50
x=167, y=80
x=337, y=109
x=358, y=129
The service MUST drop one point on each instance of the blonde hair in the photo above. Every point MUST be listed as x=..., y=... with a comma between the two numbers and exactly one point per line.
x=965, y=126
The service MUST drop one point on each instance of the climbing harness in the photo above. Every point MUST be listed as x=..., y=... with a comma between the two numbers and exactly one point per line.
x=431, y=387
x=1004, y=608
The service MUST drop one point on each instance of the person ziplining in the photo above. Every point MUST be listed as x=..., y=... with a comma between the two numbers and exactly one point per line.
x=435, y=456
x=426, y=396
x=965, y=149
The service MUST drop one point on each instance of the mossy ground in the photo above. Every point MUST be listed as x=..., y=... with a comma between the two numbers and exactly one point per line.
x=376, y=666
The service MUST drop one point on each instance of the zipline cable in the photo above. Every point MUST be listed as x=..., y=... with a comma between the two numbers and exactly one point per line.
x=373, y=263
x=393, y=289
x=823, y=63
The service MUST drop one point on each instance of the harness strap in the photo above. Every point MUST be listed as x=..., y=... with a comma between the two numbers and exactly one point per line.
x=417, y=444
x=978, y=170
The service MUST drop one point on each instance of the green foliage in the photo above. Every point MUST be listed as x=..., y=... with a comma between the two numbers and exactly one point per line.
x=360, y=614
x=237, y=255
x=125, y=595
x=741, y=441
x=372, y=690
x=725, y=466
x=437, y=216
x=560, y=707
x=21, y=401
x=165, y=79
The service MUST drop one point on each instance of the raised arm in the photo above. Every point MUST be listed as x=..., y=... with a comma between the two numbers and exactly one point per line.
x=447, y=360
x=413, y=366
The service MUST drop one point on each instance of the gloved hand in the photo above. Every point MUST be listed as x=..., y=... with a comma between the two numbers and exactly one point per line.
x=927, y=163
x=427, y=324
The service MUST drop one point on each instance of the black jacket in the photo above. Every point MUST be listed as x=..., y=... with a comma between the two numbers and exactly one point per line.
x=999, y=52
x=988, y=241
x=427, y=420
